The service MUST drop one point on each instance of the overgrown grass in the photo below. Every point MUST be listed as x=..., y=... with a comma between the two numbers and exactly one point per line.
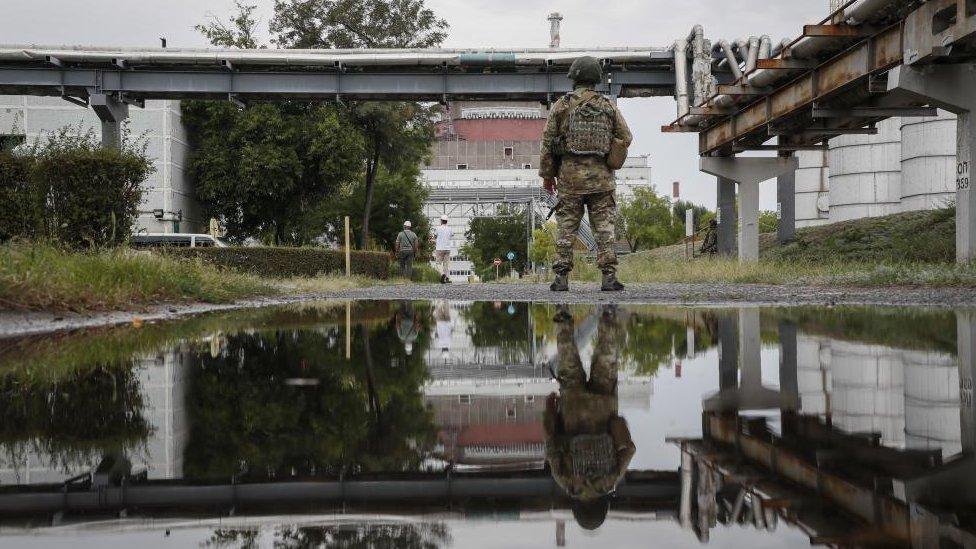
x=908, y=249
x=769, y=271
x=43, y=277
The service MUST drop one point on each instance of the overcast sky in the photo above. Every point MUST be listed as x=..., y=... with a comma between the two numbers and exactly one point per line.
x=474, y=23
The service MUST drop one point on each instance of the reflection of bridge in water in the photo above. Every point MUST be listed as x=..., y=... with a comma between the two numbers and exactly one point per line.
x=827, y=468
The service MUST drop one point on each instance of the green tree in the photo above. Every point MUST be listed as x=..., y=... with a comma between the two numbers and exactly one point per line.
x=646, y=221
x=265, y=169
x=350, y=24
x=542, y=251
x=768, y=221
x=702, y=215
x=400, y=196
x=240, y=31
x=395, y=134
x=493, y=237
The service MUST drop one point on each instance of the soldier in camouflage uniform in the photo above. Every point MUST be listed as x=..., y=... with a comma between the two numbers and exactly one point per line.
x=710, y=245
x=588, y=444
x=584, y=180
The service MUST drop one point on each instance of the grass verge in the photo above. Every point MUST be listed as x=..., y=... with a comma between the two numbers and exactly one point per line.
x=43, y=277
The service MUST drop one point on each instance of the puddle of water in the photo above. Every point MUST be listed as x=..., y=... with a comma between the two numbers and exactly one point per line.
x=429, y=424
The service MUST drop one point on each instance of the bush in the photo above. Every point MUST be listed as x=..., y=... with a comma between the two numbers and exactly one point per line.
x=71, y=190
x=21, y=206
x=289, y=262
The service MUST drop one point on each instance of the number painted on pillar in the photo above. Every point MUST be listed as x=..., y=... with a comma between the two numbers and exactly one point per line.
x=966, y=392
x=962, y=176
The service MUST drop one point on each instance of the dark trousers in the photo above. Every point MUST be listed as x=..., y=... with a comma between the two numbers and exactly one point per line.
x=406, y=264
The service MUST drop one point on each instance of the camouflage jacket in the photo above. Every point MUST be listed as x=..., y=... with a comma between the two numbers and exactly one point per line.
x=578, y=174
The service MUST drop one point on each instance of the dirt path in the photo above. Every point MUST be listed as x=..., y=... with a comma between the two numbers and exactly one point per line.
x=16, y=323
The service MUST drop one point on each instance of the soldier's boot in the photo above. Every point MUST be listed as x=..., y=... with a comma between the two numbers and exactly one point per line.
x=610, y=283
x=561, y=284
x=562, y=314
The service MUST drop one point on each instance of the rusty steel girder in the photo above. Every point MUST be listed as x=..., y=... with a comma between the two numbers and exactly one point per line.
x=854, y=66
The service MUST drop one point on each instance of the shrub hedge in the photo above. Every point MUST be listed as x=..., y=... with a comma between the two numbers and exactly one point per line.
x=72, y=191
x=288, y=262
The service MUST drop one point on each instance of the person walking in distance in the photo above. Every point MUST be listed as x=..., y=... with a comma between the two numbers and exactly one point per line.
x=407, y=246
x=442, y=249
x=585, y=141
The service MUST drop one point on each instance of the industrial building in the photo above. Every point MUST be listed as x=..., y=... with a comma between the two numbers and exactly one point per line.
x=485, y=158
x=909, y=165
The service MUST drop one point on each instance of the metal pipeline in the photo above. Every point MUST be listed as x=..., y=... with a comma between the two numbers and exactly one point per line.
x=320, y=58
x=865, y=11
x=730, y=59
x=681, y=76
x=765, y=47
x=753, y=55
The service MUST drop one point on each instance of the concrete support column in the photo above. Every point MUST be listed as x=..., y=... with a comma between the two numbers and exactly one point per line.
x=748, y=173
x=749, y=221
x=726, y=215
x=786, y=204
x=112, y=114
x=728, y=353
x=966, y=338
x=965, y=197
x=950, y=87
x=750, y=345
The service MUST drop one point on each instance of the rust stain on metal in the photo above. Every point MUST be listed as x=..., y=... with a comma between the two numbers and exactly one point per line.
x=844, y=69
x=751, y=117
x=888, y=51
x=792, y=97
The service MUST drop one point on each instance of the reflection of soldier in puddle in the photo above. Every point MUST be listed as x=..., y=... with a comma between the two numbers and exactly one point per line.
x=588, y=443
x=407, y=326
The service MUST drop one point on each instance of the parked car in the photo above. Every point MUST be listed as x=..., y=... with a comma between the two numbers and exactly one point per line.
x=178, y=240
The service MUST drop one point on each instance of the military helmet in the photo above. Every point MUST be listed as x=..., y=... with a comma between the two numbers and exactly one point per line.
x=586, y=70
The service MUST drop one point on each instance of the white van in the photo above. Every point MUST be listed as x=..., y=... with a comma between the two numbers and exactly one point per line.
x=177, y=240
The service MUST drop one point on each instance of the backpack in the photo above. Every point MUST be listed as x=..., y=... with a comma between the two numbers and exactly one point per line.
x=589, y=131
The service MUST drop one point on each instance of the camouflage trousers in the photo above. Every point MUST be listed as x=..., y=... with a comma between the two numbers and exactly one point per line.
x=602, y=208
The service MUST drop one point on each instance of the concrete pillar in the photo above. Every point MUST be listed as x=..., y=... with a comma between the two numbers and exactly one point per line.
x=786, y=206
x=966, y=337
x=726, y=215
x=728, y=353
x=950, y=87
x=112, y=114
x=750, y=345
x=748, y=173
x=788, y=378
x=749, y=221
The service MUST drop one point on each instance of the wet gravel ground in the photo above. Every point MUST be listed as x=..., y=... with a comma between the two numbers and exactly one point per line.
x=18, y=323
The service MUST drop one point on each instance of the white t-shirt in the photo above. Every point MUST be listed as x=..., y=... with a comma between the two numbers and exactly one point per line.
x=444, y=236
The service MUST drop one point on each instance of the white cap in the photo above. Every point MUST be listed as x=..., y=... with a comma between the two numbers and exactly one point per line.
x=408, y=347
x=407, y=224
x=443, y=218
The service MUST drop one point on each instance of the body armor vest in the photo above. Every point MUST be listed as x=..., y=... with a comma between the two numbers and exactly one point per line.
x=589, y=131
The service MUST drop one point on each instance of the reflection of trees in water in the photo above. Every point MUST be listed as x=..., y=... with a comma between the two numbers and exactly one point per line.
x=75, y=420
x=652, y=340
x=491, y=325
x=917, y=329
x=372, y=536
x=364, y=414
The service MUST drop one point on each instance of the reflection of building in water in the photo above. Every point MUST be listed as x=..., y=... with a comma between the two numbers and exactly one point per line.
x=161, y=384
x=909, y=398
x=488, y=402
x=161, y=379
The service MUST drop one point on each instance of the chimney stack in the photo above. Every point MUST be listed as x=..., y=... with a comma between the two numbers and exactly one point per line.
x=554, y=20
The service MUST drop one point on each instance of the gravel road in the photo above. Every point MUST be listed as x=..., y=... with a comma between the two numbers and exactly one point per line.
x=19, y=323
